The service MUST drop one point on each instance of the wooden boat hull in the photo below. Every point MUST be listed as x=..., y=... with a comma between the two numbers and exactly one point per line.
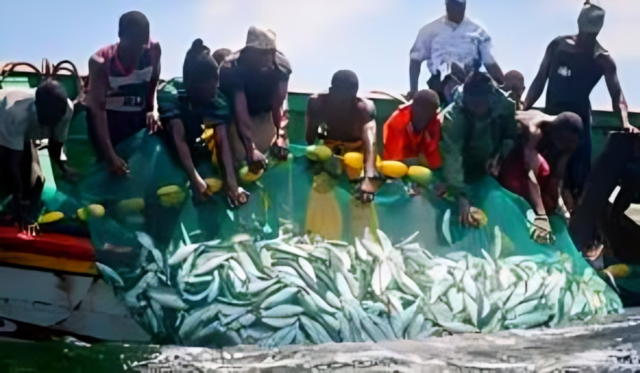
x=52, y=282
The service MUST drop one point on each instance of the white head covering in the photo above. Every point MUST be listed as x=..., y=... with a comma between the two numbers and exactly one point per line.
x=591, y=19
x=261, y=39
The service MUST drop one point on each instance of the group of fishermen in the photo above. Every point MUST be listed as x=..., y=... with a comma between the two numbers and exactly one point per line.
x=468, y=123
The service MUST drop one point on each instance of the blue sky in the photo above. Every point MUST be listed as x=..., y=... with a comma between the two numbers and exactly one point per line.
x=371, y=37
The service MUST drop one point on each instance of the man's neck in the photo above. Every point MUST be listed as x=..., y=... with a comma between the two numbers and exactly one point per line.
x=127, y=60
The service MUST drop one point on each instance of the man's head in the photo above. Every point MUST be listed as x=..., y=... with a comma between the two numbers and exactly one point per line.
x=514, y=84
x=590, y=21
x=51, y=103
x=221, y=54
x=424, y=107
x=344, y=86
x=565, y=132
x=133, y=31
x=200, y=73
x=476, y=91
x=456, y=10
x=260, y=49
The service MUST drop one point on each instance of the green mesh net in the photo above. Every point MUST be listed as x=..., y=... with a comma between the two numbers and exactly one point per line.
x=304, y=262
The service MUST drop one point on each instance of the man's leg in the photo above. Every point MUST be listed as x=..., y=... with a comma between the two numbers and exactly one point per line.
x=609, y=169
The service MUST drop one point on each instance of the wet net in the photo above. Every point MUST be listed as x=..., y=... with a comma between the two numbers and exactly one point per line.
x=304, y=262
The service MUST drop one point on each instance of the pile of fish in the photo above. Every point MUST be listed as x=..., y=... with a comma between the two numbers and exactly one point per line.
x=307, y=290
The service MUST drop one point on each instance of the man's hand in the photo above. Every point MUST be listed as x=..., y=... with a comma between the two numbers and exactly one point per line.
x=237, y=197
x=153, y=122
x=493, y=166
x=627, y=127
x=440, y=189
x=541, y=231
x=280, y=149
x=256, y=161
x=367, y=190
x=409, y=95
x=464, y=210
x=117, y=165
x=200, y=187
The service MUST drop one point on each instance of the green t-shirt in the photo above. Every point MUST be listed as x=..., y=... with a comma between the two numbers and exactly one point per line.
x=174, y=104
x=469, y=143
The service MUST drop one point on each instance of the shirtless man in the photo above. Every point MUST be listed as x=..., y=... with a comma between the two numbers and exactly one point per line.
x=573, y=65
x=348, y=119
x=538, y=163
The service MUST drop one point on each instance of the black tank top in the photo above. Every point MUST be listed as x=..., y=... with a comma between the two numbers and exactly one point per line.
x=572, y=77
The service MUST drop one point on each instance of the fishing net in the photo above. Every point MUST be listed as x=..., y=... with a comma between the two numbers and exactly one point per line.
x=304, y=262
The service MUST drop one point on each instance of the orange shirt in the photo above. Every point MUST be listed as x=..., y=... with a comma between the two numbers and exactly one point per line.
x=401, y=142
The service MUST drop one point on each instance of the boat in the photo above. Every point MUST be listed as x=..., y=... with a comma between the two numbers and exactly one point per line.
x=50, y=283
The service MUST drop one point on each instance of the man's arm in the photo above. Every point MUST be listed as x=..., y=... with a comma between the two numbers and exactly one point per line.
x=539, y=82
x=414, y=74
x=225, y=161
x=420, y=52
x=532, y=165
x=488, y=60
x=369, y=135
x=98, y=105
x=276, y=111
x=243, y=122
x=15, y=176
x=152, y=96
x=618, y=100
x=454, y=132
x=313, y=120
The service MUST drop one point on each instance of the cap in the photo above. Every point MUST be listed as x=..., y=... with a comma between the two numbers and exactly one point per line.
x=456, y=1
x=261, y=39
x=591, y=19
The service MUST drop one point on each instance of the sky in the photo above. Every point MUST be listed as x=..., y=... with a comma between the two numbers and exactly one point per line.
x=370, y=37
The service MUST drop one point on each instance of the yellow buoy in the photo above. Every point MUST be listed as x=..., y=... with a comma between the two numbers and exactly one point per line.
x=51, y=217
x=420, y=175
x=354, y=160
x=248, y=176
x=479, y=216
x=319, y=153
x=133, y=204
x=618, y=270
x=214, y=184
x=171, y=189
x=393, y=169
x=91, y=211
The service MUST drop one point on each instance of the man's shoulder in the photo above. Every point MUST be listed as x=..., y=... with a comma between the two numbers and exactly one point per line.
x=367, y=106
x=433, y=26
x=283, y=64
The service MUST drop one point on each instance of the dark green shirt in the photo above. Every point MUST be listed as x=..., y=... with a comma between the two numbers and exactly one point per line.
x=174, y=104
x=468, y=143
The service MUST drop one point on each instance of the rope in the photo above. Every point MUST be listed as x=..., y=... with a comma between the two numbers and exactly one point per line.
x=48, y=71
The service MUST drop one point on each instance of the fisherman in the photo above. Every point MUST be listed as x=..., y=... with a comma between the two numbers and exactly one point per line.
x=537, y=164
x=349, y=124
x=221, y=54
x=514, y=85
x=184, y=111
x=573, y=65
x=451, y=38
x=478, y=131
x=26, y=116
x=412, y=133
x=123, y=79
x=256, y=79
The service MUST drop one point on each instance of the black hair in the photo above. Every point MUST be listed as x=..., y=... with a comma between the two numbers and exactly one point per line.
x=569, y=123
x=51, y=102
x=220, y=55
x=426, y=97
x=132, y=23
x=478, y=84
x=344, y=79
x=199, y=64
